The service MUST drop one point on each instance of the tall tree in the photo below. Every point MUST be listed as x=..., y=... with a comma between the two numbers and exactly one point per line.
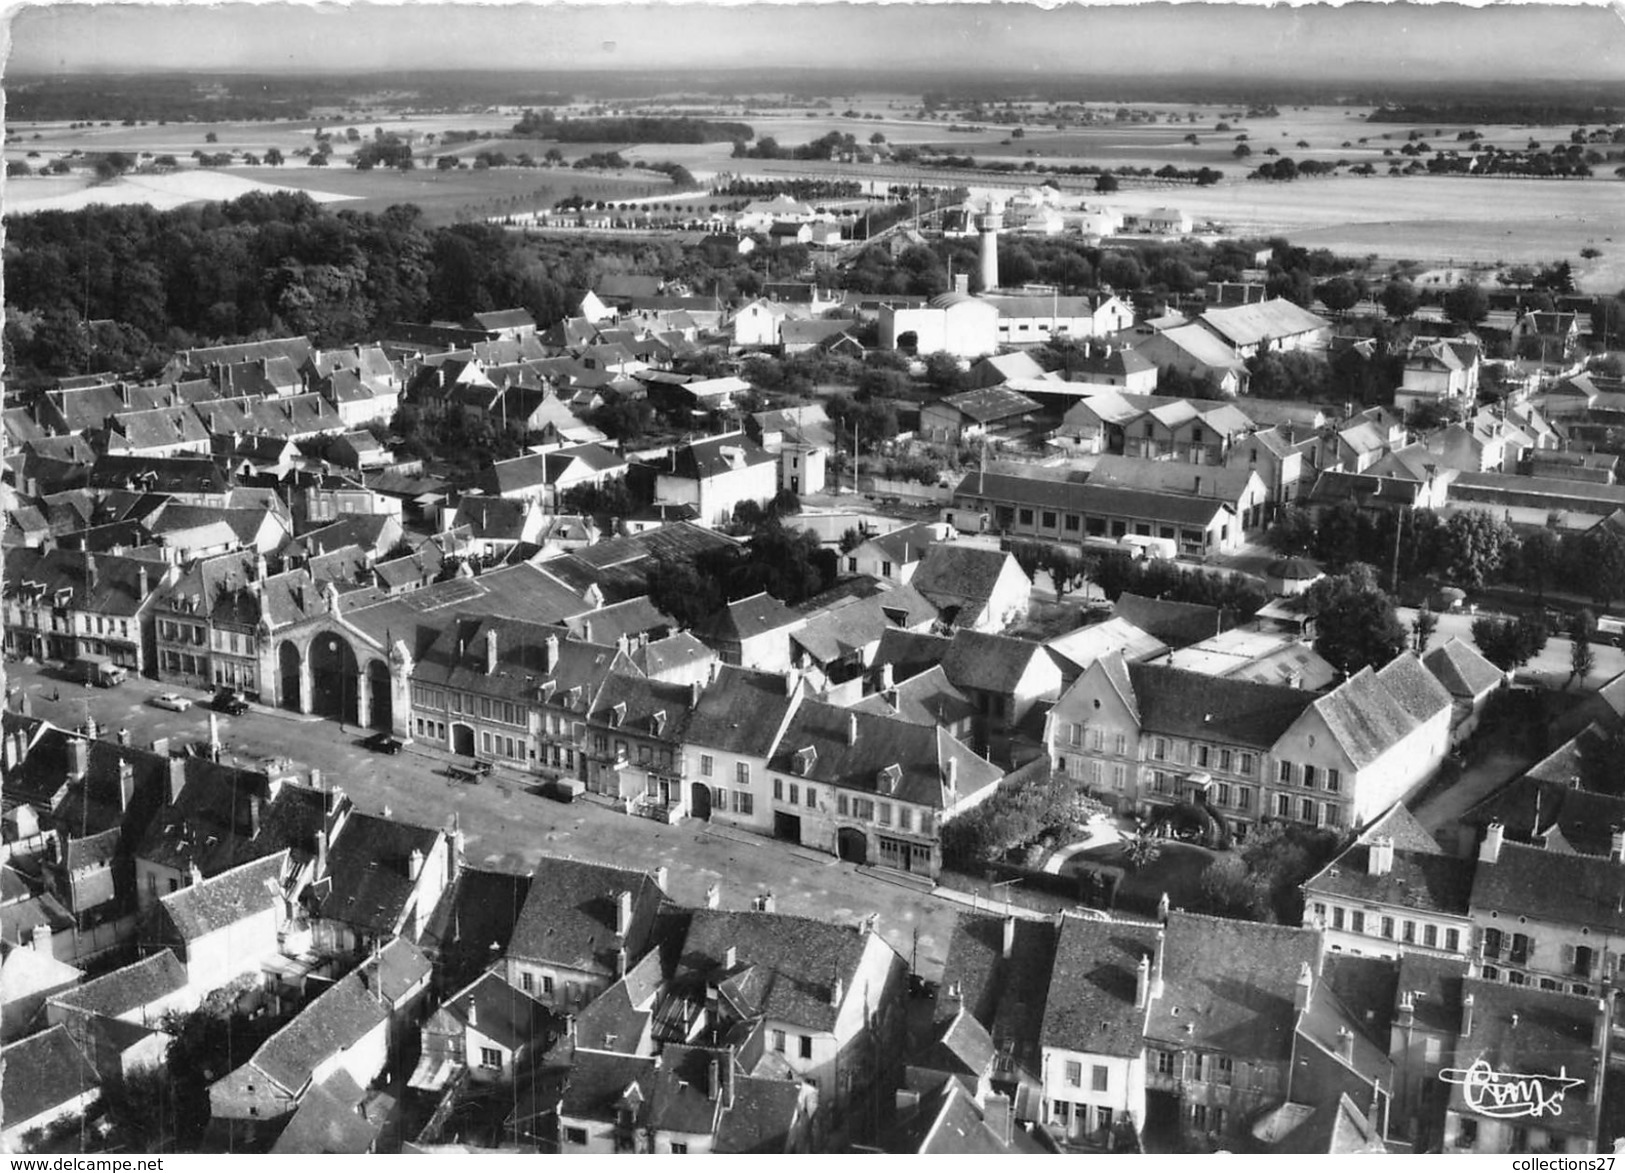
x=1356, y=625
x=1422, y=628
x=1475, y=546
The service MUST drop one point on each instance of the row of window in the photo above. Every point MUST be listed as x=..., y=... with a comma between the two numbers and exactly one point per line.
x=183, y=633
x=1099, y=1076
x=1409, y=932
x=1310, y=777
x=1080, y=1119
x=646, y=754
x=1492, y=973
x=1206, y=757
x=708, y=765
x=1328, y=814
x=1191, y=540
x=1201, y=1067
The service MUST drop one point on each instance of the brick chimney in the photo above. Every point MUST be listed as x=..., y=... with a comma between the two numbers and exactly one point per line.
x=1467, y=1016
x=885, y=677
x=126, y=783
x=1616, y=845
x=1142, y=983
x=490, y=651
x=1490, y=850
x=713, y=896
x=623, y=913
x=1009, y=946
x=1345, y=1045
x=851, y=729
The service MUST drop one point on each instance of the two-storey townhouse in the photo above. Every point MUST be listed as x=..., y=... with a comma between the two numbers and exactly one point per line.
x=1362, y=747
x=729, y=739
x=547, y=477
x=1392, y=891
x=636, y=753
x=871, y=788
x=895, y=556
x=755, y=632
x=831, y=1000
x=226, y=926
x=1004, y=678
x=375, y=879
x=1093, y=1032
x=510, y=691
x=1529, y=1071
x=64, y=604
x=837, y=642
x=715, y=475
x=974, y=586
x=1145, y=737
x=582, y=926
x=1280, y=462
x=1438, y=370
x=1225, y=1000
x=1549, y=918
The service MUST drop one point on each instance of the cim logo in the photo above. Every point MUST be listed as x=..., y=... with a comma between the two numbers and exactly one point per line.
x=1506, y=1096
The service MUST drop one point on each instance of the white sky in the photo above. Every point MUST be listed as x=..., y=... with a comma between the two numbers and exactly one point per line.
x=1366, y=40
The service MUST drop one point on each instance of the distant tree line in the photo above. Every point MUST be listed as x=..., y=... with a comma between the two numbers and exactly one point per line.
x=547, y=125
x=1531, y=112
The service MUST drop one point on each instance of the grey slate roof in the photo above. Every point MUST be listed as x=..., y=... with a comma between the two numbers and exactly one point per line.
x=569, y=916
x=123, y=990
x=56, y=1072
x=1553, y=886
x=228, y=898
x=1461, y=669
x=1233, y=984
x=990, y=663
x=1090, y=1007
x=740, y=711
x=786, y=965
x=1180, y=703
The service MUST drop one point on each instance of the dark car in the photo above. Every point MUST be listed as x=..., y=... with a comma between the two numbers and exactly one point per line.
x=383, y=743
x=230, y=702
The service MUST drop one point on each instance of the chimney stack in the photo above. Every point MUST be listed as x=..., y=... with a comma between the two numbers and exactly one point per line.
x=713, y=1080
x=126, y=783
x=177, y=779
x=730, y=959
x=321, y=855
x=40, y=939
x=851, y=729
x=1009, y=937
x=1380, y=856
x=143, y=585
x=490, y=651
x=1345, y=1045
x=694, y=690
x=1407, y=1009
x=713, y=896
x=1163, y=906
x=837, y=992
x=1490, y=850
x=1142, y=983
x=473, y=1012
x=661, y=874
x=254, y=816
x=1616, y=845
x=550, y=655
x=1467, y=1016
x=885, y=677
x=1305, y=989
x=79, y=758
x=623, y=913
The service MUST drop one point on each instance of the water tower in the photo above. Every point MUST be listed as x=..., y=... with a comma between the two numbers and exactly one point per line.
x=988, y=223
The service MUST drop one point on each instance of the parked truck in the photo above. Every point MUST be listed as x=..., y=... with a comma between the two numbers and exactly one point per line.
x=100, y=671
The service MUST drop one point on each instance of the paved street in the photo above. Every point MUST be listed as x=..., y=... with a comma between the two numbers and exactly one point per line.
x=508, y=827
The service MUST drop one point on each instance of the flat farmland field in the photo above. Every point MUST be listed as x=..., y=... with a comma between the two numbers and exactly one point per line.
x=172, y=189
x=444, y=195
x=1430, y=218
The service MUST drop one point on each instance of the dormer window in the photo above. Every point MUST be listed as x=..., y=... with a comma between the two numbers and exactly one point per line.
x=617, y=714
x=889, y=778
x=658, y=722
x=803, y=761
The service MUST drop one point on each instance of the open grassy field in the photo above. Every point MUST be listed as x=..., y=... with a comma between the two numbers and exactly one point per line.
x=172, y=190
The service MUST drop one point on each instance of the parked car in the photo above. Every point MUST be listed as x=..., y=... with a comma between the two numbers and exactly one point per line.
x=229, y=701
x=383, y=743
x=172, y=701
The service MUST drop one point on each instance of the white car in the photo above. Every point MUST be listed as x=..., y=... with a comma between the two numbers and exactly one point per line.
x=172, y=701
